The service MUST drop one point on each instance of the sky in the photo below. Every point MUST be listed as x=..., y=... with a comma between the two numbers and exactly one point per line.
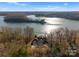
x=39, y=6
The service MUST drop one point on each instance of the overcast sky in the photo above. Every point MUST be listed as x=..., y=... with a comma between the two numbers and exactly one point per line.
x=39, y=6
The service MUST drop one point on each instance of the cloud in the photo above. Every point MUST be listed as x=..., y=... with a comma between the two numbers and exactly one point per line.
x=65, y=4
x=3, y=9
x=17, y=3
x=55, y=7
x=22, y=7
x=48, y=8
x=23, y=4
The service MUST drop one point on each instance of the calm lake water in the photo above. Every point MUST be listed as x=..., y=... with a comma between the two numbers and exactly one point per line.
x=53, y=24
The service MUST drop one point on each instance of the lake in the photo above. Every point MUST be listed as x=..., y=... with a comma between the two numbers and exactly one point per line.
x=53, y=23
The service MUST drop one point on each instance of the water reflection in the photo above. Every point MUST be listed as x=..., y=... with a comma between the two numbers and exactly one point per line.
x=54, y=20
x=50, y=28
x=55, y=24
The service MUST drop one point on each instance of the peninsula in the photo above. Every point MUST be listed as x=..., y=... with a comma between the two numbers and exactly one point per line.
x=21, y=18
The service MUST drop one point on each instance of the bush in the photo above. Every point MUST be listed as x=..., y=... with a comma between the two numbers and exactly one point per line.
x=20, y=52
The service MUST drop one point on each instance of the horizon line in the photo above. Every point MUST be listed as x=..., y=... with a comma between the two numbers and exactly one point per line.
x=42, y=11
